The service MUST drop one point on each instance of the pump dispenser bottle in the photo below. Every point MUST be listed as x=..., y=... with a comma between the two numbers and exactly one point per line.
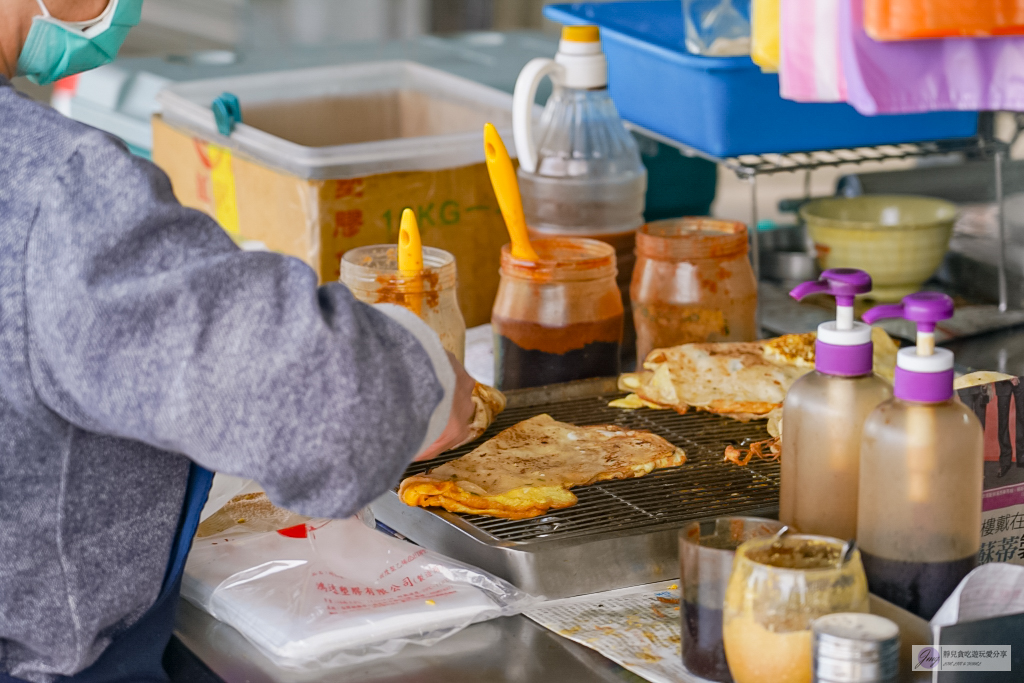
x=824, y=412
x=919, y=510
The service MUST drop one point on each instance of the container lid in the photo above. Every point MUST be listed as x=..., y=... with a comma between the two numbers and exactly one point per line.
x=678, y=239
x=187, y=105
x=853, y=636
x=923, y=372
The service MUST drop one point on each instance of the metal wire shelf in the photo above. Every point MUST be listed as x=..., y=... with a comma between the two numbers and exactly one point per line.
x=746, y=166
x=749, y=166
x=765, y=164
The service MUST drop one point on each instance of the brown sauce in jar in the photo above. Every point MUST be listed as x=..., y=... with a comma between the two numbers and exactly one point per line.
x=560, y=318
x=531, y=355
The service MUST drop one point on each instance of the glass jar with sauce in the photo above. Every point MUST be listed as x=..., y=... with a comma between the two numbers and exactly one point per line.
x=692, y=283
x=706, y=552
x=558, y=319
x=624, y=243
x=777, y=588
x=372, y=274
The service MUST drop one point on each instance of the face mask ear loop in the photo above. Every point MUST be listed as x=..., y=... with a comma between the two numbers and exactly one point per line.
x=46, y=12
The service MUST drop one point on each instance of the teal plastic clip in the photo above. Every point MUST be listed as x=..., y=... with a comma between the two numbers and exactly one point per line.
x=226, y=112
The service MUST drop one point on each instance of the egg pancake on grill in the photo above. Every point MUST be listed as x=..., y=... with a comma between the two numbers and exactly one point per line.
x=735, y=378
x=743, y=380
x=529, y=468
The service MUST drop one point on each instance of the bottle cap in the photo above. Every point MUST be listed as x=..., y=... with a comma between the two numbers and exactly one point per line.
x=579, y=51
x=843, y=346
x=581, y=34
x=923, y=372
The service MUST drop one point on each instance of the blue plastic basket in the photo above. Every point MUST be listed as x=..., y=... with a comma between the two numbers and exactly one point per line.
x=725, y=106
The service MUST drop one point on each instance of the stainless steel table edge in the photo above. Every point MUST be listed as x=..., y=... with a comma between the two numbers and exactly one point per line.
x=567, y=566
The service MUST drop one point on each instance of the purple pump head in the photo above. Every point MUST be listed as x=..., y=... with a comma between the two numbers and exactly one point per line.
x=925, y=378
x=842, y=283
x=923, y=308
x=843, y=348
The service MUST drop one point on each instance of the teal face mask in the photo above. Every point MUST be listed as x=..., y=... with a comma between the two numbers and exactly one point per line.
x=55, y=49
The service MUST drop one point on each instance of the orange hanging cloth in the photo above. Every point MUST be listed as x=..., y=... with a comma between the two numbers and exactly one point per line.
x=911, y=19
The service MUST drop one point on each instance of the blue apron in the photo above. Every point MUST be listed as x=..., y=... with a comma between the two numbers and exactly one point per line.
x=135, y=656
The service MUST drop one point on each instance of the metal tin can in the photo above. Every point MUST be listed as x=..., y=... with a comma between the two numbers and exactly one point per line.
x=853, y=647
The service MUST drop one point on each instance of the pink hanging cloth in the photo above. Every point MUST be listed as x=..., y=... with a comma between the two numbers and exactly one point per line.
x=904, y=77
x=810, y=69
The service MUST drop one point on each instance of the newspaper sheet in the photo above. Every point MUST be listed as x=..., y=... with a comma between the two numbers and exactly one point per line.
x=637, y=628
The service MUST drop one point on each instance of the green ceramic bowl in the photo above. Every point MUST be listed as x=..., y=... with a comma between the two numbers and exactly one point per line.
x=900, y=240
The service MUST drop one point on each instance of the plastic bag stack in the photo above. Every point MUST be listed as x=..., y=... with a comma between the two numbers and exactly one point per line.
x=327, y=593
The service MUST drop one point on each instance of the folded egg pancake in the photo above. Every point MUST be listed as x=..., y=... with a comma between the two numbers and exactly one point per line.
x=529, y=468
x=488, y=403
x=743, y=380
x=737, y=378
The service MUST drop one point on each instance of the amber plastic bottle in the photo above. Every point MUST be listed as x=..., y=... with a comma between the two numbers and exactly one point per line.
x=922, y=459
x=824, y=413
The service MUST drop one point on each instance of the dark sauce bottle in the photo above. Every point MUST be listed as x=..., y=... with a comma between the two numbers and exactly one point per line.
x=918, y=587
x=558, y=319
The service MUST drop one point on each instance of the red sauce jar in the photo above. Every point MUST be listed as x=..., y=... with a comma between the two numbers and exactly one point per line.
x=558, y=319
x=692, y=283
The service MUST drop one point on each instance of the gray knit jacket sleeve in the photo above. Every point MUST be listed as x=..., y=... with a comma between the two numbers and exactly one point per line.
x=146, y=322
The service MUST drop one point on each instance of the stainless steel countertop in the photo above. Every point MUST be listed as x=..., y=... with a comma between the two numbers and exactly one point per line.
x=997, y=351
x=507, y=650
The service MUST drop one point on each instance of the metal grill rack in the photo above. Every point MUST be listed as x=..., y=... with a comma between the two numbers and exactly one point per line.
x=702, y=487
x=749, y=166
x=621, y=532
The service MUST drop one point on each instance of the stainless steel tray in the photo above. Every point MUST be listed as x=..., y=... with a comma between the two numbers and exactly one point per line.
x=621, y=533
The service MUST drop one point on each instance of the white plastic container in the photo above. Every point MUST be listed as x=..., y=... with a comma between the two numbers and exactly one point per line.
x=325, y=159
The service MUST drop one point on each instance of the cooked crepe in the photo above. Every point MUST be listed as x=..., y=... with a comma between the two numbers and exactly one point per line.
x=978, y=378
x=529, y=468
x=744, y=380
x=735, y=378
x=251, y=509
x=488, y=403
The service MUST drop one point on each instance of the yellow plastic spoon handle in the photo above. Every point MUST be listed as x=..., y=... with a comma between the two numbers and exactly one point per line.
x=506, y=188
x=410, y=258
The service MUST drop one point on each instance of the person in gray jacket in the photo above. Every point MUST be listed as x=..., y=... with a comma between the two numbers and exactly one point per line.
x=135, y=340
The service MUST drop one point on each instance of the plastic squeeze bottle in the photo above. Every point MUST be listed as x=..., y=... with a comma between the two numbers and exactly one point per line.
x=580, y=172
x=921, y=471
x=824, y=412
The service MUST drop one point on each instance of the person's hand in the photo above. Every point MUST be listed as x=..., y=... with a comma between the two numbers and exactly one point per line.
x=457, y=429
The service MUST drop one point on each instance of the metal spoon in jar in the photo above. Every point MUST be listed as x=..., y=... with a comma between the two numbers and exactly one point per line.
x=847, y=553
